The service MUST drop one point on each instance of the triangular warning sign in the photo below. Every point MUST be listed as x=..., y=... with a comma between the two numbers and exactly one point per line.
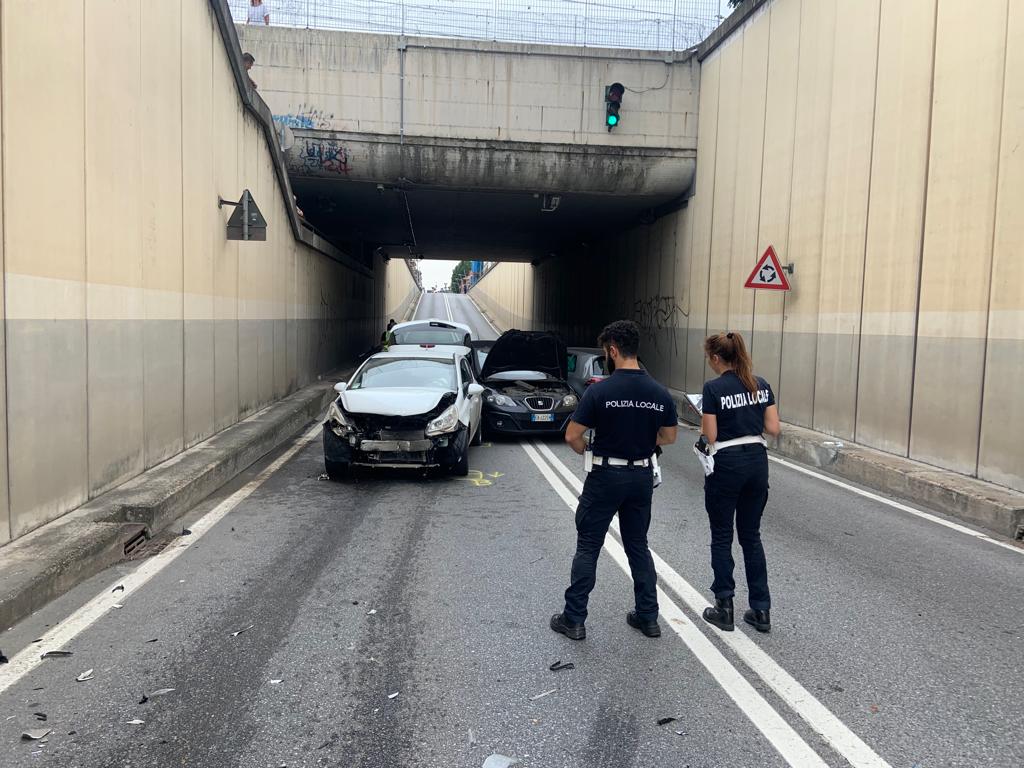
x=768, y=273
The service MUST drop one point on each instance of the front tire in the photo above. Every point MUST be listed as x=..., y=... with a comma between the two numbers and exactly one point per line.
x=338, y=471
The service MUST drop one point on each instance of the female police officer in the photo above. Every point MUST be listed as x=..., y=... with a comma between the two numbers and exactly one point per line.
x=738, y=407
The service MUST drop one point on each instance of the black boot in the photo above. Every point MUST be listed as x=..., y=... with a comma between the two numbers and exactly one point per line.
x=649, y=628
x=721, y=614
x=759, y=620
x=572, y=631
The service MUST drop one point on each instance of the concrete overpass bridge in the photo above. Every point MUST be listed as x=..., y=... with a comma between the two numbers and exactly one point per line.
x=450, y=146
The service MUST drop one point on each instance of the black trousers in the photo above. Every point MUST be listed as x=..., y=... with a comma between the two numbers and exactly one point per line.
x=738, y=487
x=606, y=491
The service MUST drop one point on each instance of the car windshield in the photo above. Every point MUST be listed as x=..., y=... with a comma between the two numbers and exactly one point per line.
x=428, y=334
x=407, y=373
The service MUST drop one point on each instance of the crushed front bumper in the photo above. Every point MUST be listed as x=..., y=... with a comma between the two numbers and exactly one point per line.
x=441, y=451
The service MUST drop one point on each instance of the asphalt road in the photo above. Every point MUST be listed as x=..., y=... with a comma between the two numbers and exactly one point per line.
x=895, y=641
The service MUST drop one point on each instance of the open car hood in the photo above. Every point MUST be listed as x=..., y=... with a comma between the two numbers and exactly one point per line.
x=540, y=351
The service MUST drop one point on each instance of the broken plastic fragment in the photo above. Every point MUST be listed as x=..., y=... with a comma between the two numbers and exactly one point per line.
x=153, y=640
x=3, y=659
x=144, y=699
x=541, y=696
x=276, y=682
x=667, y=720
x=371, y=612
x=500, y=761
x=160, y=692
x=40, y=716
x=118, y=588
x=244, y=629
x=186, y=532
x=87, y=675
x=679, y=733
x=36, y=734
x=558, y=665
x=55, y=654
x=118, y=605
x=323, y=476
x=393, y=695
x=136, y=721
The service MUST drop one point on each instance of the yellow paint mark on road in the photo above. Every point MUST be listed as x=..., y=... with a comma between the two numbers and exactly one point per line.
x=482, y=480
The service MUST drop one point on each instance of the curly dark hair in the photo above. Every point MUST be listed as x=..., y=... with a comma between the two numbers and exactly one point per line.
x=624, y=334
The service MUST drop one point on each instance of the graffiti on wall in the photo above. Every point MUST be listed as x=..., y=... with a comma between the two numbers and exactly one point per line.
x=659, y=313
x=325, y=155
x=307, y=118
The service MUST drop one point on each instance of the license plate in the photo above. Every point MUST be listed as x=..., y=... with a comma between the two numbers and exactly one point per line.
x=542, y=417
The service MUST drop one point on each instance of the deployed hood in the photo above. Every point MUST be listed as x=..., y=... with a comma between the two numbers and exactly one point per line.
x=540, y=351
x=391, y=401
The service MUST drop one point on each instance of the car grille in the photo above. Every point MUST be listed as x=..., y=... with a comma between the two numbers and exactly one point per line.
x=536, y=403
x=389, y=434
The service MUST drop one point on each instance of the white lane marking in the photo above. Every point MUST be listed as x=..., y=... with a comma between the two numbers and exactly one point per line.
x=889, y=502
x=897, y=505
x=780, y=734
x=417, y=310
x=799, y=699
x=63, y=633
x=448, y=307
x=481, y=313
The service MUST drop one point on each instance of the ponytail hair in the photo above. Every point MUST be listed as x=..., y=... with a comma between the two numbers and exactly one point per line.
x=731, y=349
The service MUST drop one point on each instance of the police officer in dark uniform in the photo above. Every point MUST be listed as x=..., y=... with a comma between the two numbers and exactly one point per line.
x=738, y=408
x=631, y=415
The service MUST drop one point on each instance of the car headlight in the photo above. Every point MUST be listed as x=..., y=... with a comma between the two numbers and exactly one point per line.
x=336, y=419
x=570, y=401
x=446, y=422
x=498, y=399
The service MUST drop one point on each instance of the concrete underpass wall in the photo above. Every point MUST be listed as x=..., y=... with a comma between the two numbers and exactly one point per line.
x=507, y=296
x=876, y=146
x=133, y=328
x=401, y=290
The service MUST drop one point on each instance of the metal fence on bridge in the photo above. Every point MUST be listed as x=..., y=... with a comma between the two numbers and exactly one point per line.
x=656, y=25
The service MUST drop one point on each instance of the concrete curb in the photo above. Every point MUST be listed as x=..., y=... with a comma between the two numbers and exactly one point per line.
x=973, y=501
x=51, y=560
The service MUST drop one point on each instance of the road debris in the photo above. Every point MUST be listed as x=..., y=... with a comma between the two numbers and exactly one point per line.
x=500, y=761
x=371, y=612
x=244, y=629
x=667, y=720
x=118, y=588
x=153, y=640
x=144, y=699
x=160, y=692
x=472, y=738
x=36, y=734
x=40, y=716
x=186, y=532
x=558, y=666
x=3, y=659
x=323, y=476
x=55, y=654
x=541, y=696
x=136, y=721
x=393, y=695
x=680, y=733
x=276, y=682
x=117, y=605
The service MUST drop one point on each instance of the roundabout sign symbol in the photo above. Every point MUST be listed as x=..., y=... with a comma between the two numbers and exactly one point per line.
x=768, y=273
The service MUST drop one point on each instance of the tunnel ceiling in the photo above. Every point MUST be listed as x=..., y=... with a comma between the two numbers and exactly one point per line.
x=460, y=223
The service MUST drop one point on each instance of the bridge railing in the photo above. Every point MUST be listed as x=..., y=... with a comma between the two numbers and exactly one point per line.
x=655, y=25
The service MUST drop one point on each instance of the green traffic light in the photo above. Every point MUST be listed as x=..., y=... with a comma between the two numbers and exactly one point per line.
x=613, y=119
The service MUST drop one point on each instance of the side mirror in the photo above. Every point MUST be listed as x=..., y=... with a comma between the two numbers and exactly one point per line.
x=340, y=386
x=474, y=389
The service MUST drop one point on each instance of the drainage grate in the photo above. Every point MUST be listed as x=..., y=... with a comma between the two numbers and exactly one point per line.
x=135, y=541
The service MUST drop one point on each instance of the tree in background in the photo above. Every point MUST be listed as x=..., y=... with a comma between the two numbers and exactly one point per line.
x=460, y=271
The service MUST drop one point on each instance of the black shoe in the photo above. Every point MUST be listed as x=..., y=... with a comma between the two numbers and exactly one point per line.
x=721, y=614
x=572, y=631
x=759, y=620
x=649, y=628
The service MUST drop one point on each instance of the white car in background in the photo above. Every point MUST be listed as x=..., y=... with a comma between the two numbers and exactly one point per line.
x=417, y=408
x=431, y=334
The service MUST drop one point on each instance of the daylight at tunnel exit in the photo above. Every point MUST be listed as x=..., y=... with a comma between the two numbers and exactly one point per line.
x=491, y=383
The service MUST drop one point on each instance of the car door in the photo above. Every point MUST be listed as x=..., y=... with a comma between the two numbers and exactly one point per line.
x=475, y=402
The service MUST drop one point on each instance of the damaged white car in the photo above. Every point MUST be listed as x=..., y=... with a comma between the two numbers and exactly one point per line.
x=404, y=409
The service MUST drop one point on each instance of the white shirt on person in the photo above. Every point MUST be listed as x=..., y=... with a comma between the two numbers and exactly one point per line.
x=257, y=13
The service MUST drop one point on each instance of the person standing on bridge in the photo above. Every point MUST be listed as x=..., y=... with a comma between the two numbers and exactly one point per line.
x=738, y=407
x=632, y=415
x=259, y=13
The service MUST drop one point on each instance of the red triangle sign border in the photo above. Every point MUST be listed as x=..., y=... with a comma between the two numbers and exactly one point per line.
x=763, y=279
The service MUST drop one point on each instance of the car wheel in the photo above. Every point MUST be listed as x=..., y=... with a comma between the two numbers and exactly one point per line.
x=461, y=469
x=337, y=470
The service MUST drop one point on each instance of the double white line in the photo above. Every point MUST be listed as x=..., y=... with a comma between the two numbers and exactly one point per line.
x=448, y=307
x=790, y=745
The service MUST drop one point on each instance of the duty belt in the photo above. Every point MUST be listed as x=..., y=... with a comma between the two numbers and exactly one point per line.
x=608, y=461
